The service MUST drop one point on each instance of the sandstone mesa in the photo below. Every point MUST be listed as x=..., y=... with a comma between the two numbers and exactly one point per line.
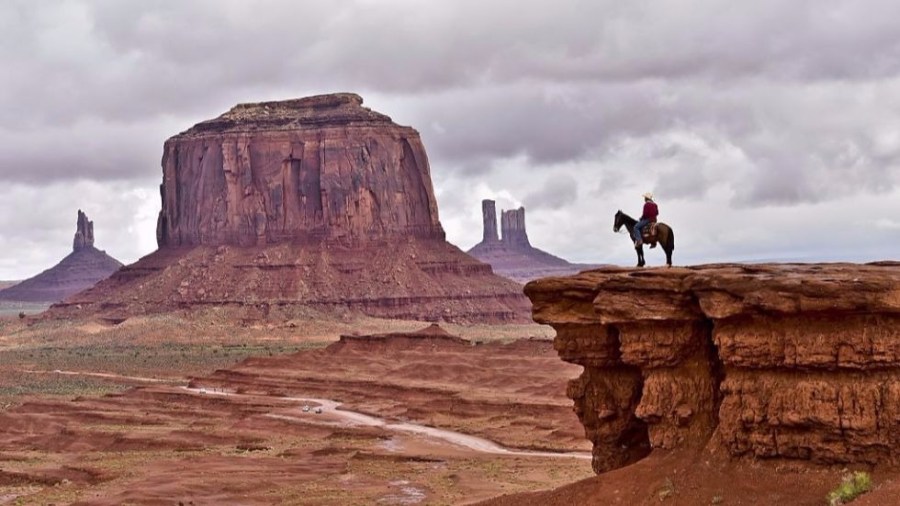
x=319, y=203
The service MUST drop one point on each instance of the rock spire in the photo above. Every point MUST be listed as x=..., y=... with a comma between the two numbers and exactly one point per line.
x=512, y=255
x=489, y=216
x=512, y=228
x=84, y=232
x=81, y=269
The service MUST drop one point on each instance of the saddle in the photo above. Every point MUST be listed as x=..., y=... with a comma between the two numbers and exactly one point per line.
x=649, y=234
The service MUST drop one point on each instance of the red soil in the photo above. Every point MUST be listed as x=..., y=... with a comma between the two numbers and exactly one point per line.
x=162, y=444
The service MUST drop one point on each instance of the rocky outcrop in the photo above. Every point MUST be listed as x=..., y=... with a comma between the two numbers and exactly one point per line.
x=318, y=168
x=81, y=269
x=84, y=233
x=511, y=254
x=512, y=228
x=489, y=217
x=761, y=361
x=275, y=208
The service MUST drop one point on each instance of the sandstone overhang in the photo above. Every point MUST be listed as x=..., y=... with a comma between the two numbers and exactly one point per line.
x=789, y=361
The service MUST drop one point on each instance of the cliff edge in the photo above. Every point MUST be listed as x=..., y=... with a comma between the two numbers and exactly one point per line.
x=792, y=362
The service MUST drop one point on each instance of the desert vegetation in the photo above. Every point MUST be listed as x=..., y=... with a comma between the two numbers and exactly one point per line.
x=853, y=484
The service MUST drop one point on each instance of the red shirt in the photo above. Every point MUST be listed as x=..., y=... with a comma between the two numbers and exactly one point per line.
x=650, y=211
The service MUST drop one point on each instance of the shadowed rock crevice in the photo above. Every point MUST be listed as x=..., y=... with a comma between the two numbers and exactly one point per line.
x=606, y=395
x=775, y=361
x=717, y=369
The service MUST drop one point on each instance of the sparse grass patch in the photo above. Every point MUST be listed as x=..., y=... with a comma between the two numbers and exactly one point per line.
x=852, y=486
x=131, y=360
x=10, y=308
x=54, y=385
x=666, y=491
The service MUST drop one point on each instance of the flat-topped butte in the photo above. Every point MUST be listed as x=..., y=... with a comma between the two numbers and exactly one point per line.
x=338, y=109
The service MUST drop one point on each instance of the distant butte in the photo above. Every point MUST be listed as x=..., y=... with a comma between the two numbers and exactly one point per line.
x=81, y=269
x=511, y=254
x=274, y=208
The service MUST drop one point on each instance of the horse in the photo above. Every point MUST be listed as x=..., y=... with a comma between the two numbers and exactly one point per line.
x=664, y=234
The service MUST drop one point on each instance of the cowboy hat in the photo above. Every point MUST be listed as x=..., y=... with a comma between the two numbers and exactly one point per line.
x=648, y=196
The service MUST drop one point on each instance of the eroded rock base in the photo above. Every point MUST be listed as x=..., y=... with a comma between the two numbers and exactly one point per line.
x=409, y=279
x=763, y=361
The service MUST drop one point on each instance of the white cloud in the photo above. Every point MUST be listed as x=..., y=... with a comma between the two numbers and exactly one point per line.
x=37, y=224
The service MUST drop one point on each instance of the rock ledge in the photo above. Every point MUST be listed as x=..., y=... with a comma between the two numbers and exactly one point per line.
x=788, y=361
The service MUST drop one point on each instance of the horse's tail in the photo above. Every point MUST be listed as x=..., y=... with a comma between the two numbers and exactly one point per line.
x=671, y=239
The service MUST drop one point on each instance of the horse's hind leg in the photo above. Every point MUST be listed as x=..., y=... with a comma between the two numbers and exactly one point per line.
x=668, y=257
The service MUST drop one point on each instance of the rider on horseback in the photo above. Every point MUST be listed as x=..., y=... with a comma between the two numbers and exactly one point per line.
x=651, y=211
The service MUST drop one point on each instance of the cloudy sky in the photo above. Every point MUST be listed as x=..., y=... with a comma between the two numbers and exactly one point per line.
x=767, y=129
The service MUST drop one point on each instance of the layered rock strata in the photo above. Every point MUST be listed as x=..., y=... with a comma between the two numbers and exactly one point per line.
x=514, y=235
x=79, y=270
x=316, y=203
x=296, y=171
x=761, y=361
x=511, y=254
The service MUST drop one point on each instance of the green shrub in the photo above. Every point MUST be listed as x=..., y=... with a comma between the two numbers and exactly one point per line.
x=852, y=486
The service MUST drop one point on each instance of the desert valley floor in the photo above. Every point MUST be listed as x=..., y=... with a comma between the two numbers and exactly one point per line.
x=159, y=410
x=169, y=410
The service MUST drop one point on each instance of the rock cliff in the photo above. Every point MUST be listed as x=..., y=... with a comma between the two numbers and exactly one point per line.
x=296, y=171
x=316, y=203
x=511, y=254
x=81, y=269
x=84, y=233
x=796, y=362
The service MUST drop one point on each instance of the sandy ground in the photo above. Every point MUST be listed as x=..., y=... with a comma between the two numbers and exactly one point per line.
x=164, y=410
x=694, y=478
x=436, y=421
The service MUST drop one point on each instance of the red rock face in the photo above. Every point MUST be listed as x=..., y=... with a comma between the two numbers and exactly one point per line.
x=489, y=216
x=764, y=361
x=84, y=233
x=276, y=208
x=319, y=168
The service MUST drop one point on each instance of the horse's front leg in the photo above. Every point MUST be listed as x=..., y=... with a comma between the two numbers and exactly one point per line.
x=640, y=254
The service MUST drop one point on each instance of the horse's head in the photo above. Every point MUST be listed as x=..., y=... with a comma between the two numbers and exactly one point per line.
x=617, y=224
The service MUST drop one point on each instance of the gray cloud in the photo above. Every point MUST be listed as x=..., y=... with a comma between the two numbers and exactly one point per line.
x=759, y=105
x=556, y=192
